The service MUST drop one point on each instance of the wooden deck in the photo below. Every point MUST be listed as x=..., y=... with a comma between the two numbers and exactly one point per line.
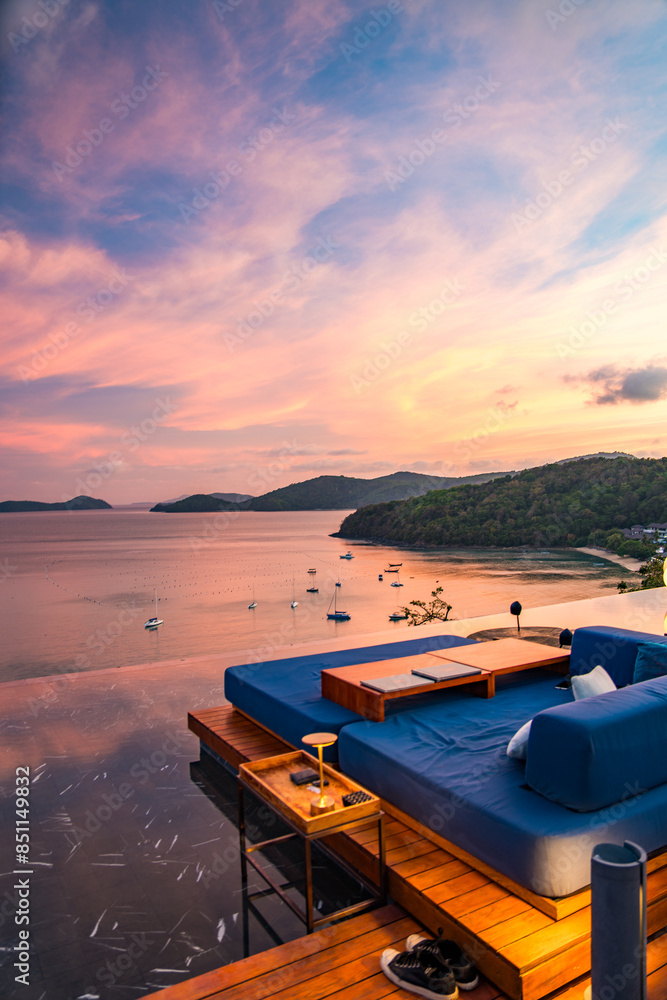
x=525, y=952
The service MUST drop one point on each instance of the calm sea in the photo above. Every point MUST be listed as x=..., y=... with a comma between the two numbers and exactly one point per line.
x=76, y=588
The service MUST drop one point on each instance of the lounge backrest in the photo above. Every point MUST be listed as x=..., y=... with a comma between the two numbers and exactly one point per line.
x=614, y=649
x=599, y=751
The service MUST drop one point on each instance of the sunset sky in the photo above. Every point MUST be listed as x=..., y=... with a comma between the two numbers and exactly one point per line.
x=249, y=242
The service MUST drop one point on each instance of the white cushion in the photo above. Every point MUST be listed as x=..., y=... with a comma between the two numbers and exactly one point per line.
x=517, y=745
x=588, y=685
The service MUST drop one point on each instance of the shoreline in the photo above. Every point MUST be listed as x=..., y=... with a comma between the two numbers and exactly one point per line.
x=627, y=562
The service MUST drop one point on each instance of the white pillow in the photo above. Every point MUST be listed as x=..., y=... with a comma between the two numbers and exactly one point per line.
x=588, y=685
x=517, y=745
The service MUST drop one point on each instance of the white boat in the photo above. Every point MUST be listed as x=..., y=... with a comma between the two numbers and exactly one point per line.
x=294, y=604
x=253, y=603
x=398, y=616
x=396, y=584
x=348, y=555
x=336, y=615
x=154, y=622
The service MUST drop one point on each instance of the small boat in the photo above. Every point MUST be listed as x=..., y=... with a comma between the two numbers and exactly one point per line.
x=336, y=615
x=391, y=570
x=397, y=616
x=312, y=571
x=380, y=576
x=294, y=604
x=396, y=583
x=154, y=622
x=348, y=555
x=395, y=564
x=312, y=590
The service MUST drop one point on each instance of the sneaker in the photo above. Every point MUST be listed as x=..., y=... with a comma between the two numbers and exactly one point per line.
x=419, y=973
x=449, y=954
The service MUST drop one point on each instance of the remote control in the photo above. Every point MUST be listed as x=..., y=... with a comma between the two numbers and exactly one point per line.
x=306, y=776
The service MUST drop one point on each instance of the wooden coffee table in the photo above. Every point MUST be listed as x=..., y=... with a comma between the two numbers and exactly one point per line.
x=502, y=656
x=343, y=684
x=508, y=656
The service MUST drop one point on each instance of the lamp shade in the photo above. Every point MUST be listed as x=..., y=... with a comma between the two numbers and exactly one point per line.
x=515, y=608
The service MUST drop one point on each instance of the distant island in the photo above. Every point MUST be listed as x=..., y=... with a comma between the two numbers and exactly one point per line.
x=578, y=503
x=329, y=493
x=76, y=503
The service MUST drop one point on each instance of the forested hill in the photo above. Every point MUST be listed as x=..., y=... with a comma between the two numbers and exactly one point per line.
x=579, y=503
x=330, y=493
x=76, y=503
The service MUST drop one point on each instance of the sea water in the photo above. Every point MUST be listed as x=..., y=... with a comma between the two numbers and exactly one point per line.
x=77, y=587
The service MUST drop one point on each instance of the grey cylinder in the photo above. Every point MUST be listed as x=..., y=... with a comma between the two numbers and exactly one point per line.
x=618, y=922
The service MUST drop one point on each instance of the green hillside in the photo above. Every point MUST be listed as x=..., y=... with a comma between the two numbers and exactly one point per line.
x=582, y=502
x=76, y=503
x=331, y=493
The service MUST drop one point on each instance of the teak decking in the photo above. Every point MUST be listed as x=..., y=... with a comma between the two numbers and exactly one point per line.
x=526, y=952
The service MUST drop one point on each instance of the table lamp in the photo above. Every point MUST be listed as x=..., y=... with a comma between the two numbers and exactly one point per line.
x=322, y=803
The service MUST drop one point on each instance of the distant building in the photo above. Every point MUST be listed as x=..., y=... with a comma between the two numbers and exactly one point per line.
x=654, y=532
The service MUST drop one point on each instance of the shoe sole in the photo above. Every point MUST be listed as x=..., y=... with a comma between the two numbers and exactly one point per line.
x=419, y=990
x=415, y=939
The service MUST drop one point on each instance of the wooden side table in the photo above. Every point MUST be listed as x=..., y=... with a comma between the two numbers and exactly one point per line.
x=269, y=779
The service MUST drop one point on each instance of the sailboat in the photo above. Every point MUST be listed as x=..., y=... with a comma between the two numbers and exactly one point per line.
x=336, y=615
x=154, y=622
x=253, y=603
x=294, y=604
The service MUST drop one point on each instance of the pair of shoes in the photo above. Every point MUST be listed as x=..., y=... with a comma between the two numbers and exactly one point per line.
x=449, y=954
x=418, y=972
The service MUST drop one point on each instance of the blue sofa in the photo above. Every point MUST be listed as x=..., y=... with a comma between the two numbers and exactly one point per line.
x=596, y=769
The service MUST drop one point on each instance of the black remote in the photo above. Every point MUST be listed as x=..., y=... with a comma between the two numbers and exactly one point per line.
x=306, y=776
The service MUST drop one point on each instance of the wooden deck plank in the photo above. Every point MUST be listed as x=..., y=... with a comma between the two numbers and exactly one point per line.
x=409, y=852
x=319, y=975
x=423, y=863
x=210, y=984
x=486, y=899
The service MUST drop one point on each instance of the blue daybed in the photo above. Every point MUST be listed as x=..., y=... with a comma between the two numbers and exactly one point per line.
x=596, y=769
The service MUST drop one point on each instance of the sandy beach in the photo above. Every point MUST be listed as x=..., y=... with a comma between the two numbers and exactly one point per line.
x=632, y=565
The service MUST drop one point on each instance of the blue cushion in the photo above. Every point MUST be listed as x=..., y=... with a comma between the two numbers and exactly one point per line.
x=592, y=753
x=285, y=696
x=614, y=649
x=651, y=661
